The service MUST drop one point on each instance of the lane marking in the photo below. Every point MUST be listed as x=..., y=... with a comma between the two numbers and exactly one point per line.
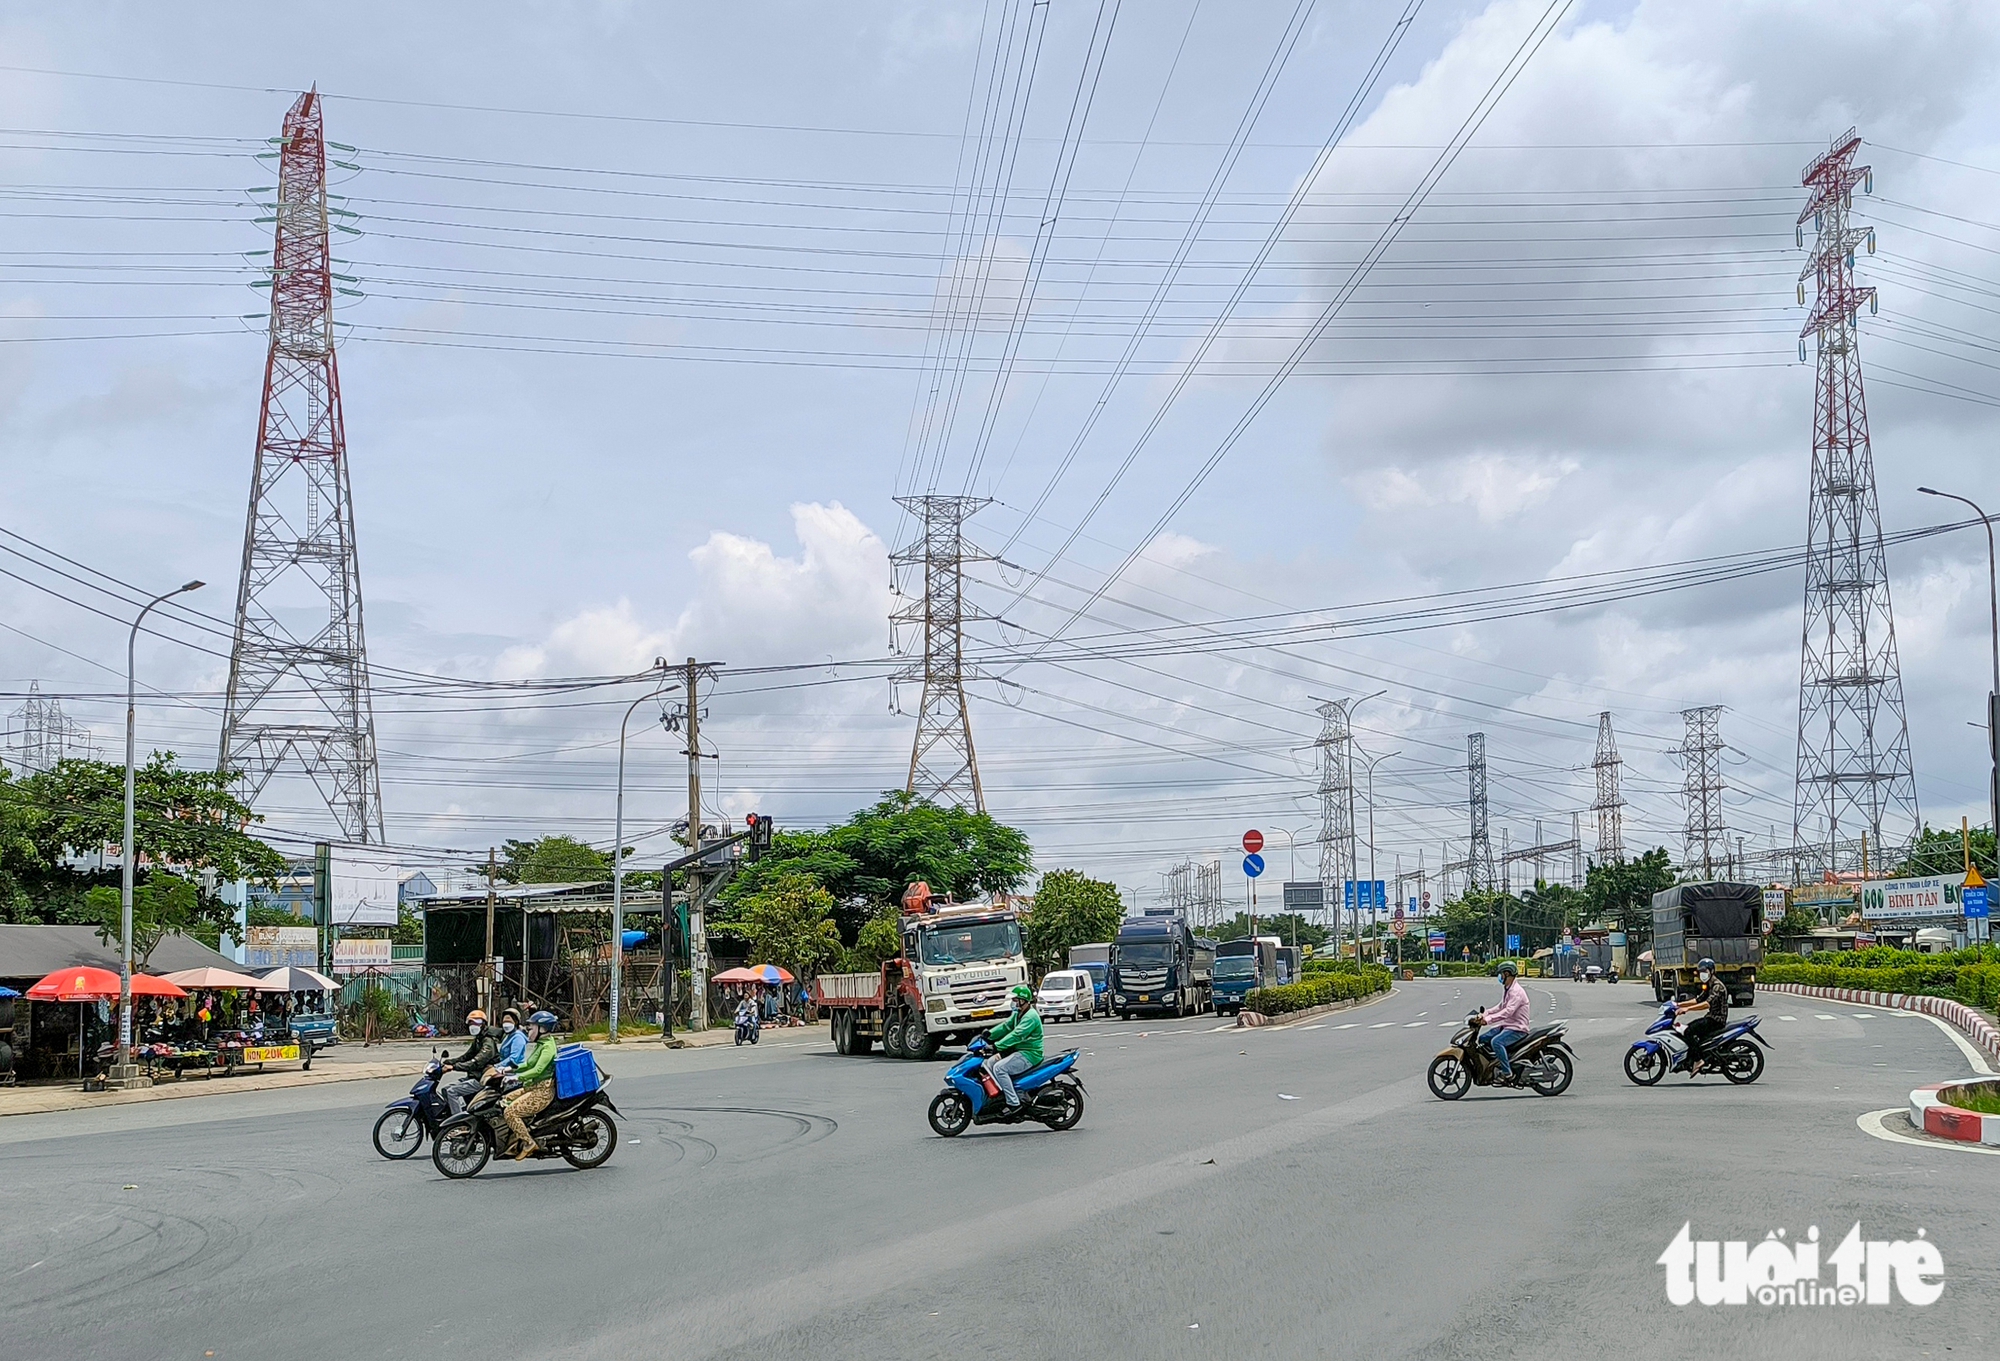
x=1871, y=1123
x=1794, y=1018
x=1347, y=1025
x=1412, y=1025
x=1861, y=1015
x=1381, y=1025
x=1822, y=1016
x=1316, y=1025
x=1973, y=1055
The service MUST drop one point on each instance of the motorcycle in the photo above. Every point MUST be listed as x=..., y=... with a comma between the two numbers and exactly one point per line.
x=577, y=1129
x=748, y=1030
x=1051, y=1093
x=1732, y=1053
x=1543, y=1061
x=400, y=1130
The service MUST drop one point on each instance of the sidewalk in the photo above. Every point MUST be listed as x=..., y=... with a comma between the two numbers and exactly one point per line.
x=341, y=1063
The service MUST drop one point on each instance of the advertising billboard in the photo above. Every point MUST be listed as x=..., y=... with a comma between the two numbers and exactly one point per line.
x=361, y=885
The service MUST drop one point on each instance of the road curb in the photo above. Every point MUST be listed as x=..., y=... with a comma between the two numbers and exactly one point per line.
x=47, y=1101
x=1958, y=1015
x=1293, y=1018
x=1931, y=1113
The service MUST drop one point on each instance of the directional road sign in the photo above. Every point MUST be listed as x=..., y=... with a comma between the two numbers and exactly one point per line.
x=1253, y=864
x=1974, y=901
x=1513, y=945
x=1304, y=896
x=1253, y=841
x=1437, y=942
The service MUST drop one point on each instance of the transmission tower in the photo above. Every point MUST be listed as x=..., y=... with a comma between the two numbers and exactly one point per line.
x=1707, y=839
x=302, y=697
x=943, y=766
x=1854, y=774
x=1335, y=744
x=1479, y=871
x=45, y=735
x=1610, y=805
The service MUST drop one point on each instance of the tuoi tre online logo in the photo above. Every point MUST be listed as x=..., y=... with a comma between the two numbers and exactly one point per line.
x=1780, y=1274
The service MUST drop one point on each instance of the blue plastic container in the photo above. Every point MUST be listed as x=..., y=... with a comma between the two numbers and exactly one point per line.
x=576, y=1072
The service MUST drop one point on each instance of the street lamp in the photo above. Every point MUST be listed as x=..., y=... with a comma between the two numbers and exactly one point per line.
x=1993, y=697
x=618, y=870
x=1352, y=869
x=1371, y=764
x=129, y=851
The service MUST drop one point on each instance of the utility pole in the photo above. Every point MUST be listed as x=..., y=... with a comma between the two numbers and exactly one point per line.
x=1479, y=852
x=1335, y=744
x=1610, y=805
x=692, y=673
x=491, y=999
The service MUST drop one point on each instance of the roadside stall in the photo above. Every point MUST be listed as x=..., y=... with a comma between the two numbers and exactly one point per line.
x=250, y=1038
x=308, y=1003
x=87, y=985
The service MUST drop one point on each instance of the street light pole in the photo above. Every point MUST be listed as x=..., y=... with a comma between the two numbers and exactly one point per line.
x=618, y=872
x=1352, y=868
x=127, y=851
x=1993, y=696
x=1371, y=833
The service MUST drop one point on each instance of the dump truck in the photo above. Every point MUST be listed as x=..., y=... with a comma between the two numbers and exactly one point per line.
x=948, y=983
x=1719, y=921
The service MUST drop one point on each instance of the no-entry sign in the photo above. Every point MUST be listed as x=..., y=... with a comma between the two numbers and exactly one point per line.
x=1253, y=841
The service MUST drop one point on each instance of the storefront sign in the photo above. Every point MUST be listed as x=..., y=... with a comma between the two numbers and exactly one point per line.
x=270, y=1053
x=362, y=954
x=277, y=947
x=1933, y=896
x=1823, y=895
x=1774, y=903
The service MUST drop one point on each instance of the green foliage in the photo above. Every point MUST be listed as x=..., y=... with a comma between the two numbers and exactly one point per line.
x=867, y=861
x=549, y=860
x=1318, y=990
x=1070, y=909
x=876, y=941
x=1622, y=890
x=161, y=906
x=1971, y=976
x=1940, y=852
x=1798, y=921
x=1284, y=925
x=789, y=923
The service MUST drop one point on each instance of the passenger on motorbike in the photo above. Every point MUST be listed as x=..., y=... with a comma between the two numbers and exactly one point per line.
x=1507, y=1024
x=481, y=1053
x=537, y=1079
x=513, y=1044
x=1713, y=1008
x=1019, y=1042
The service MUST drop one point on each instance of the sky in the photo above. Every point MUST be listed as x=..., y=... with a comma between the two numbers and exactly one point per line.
x=656, y=309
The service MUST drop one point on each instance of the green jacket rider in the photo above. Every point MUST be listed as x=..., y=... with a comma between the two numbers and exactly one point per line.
x=1019, y=1042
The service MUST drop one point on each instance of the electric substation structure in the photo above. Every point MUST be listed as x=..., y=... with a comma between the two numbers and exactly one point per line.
x=300, y=696
x=1479, y=868
x=1854, y=776
x=944, y=768
x=1705, y=836
x=1335, y=746
x=1538, y=853
x=45, y=736
x=1610, y=805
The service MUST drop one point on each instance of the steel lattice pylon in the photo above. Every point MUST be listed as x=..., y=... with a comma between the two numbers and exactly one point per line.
x=1336, y=809
x=1706, y=835
x=1479, y=870
x=1610, y=805
x=944, y=768
x=302, y=696
x=1854, y=775
x=45, y=736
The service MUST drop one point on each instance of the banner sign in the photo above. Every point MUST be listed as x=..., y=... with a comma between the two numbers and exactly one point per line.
x=1933, y=896
x=362, y=884
x=279, y=947
x=362, y=954
x=269, y=1053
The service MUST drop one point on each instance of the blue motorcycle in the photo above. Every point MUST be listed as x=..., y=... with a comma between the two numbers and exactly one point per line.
x=1735, y=1053
x=400, y=1130
x=1051, y=1093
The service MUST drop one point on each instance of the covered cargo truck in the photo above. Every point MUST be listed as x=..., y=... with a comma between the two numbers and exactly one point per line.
x=1719, y=921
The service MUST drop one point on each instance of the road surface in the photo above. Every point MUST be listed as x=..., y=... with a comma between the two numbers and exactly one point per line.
x=1291, y=1192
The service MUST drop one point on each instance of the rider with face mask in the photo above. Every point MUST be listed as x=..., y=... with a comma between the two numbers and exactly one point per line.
x=1019, y=1041
x=1712, y=1006
x=482, y=1053
x=513, y=1044
x=1507, y=1024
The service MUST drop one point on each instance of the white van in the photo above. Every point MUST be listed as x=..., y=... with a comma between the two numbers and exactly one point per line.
x=1066, y=994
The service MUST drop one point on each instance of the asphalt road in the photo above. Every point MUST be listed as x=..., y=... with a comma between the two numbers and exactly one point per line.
x=786, y=1202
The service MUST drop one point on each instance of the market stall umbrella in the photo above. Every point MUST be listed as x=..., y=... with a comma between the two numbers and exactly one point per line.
x=212, y=978
x=294, y=979
x=767, y=973
x=87, y=983
x=733, y=976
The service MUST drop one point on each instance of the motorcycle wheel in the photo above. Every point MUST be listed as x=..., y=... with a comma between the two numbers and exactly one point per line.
x=1072, y=1108
x=398, y=1134
x=462, y=1151
x=951, y=1114
x=1554, y=1072
x=1449, y=1078
x=593, y=1130
x=1742, y=1062
x=1645, y=1066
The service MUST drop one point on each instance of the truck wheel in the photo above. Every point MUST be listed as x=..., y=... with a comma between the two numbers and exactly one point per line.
x=892, y=1037
x=857, y=1043
x=918, y=1042
x=840, y=1045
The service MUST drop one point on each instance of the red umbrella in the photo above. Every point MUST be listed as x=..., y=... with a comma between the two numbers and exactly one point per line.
x=86, y=983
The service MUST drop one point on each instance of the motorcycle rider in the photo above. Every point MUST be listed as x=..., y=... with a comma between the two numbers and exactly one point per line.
x=1712, y=1006
x=481, y=1053
x=1507, y=1024
x=748, y=1022
x=513, y=1044
x=538, y=1086
x=1019, y=1042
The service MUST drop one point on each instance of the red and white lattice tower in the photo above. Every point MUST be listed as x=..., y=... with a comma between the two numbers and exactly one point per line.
x=1854, y=775
x=298, y=670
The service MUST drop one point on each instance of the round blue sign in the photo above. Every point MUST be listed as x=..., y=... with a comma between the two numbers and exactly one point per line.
x=1253, y=865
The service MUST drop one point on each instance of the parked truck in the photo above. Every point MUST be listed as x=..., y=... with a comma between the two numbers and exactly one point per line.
x=1719, y=921
x=1241, y=967
x=1095, y=960
x=949, y=982
x=1158, y=964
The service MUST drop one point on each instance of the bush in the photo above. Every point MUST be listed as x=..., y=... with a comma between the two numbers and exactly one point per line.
x=1316, y=991
x=1904, y=971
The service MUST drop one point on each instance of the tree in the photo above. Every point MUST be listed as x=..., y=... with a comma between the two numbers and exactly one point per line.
x=1289, y=927
x=867, y=861
x=549, y=860
x=1070, y=909
x=162, y=906
x=879, y=939
x=1622, y=891
x=789, y=923
x=1941, y=852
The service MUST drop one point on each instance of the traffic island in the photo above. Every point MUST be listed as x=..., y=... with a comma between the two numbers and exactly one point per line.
x=1966, y=1111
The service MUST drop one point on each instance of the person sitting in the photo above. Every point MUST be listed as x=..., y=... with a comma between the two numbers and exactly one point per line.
x=1019, y=1042
x=1712, y=1007
x=481, y=1053
x=538, y=1083
x=513, y=1044
x=1507, y=1024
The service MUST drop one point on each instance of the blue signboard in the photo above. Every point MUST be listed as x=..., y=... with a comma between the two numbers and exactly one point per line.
x=1413, y=907
x=1974, y=901
x=1513, y=945
x=1381, y=895
x=1253, y=865
x=1347, y=894
x=1437, y=942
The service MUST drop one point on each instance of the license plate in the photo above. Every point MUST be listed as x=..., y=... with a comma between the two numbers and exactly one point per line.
x=982, y=1015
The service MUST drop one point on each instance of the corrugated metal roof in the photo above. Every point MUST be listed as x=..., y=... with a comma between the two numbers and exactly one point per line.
x=34, y=952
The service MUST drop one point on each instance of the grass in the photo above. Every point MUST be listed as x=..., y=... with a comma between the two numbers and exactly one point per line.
x=1984, y=1099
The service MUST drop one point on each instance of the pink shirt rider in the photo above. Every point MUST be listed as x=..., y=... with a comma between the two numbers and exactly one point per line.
x=1512, y=1013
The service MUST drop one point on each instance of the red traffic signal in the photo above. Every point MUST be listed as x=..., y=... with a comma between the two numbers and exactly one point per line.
x=1253, y=841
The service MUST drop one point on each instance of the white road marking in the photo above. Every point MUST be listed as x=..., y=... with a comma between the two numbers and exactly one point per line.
x=1347, y=1025
x=1871, y=1123
x=1381, y=1025
x=1822, y=1016
x=1212, y=1029
x=1788, y=1018
x=1972, y=1055
x=1863, y=1015
x=1411, y=1025
x=1423, y=1013
x=1316, y=1025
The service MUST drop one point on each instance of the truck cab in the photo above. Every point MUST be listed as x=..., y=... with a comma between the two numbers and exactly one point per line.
x=1158, y=965
x=1241, y=967
x=964, y=961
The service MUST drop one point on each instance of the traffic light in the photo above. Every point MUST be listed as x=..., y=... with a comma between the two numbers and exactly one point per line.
x=760, y=834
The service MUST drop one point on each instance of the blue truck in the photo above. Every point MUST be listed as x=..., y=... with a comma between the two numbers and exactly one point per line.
x=1095, y=960
x=1241, y=966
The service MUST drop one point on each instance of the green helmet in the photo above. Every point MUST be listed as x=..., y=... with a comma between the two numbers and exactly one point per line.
x=1509, y=969
x=1023, y=993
